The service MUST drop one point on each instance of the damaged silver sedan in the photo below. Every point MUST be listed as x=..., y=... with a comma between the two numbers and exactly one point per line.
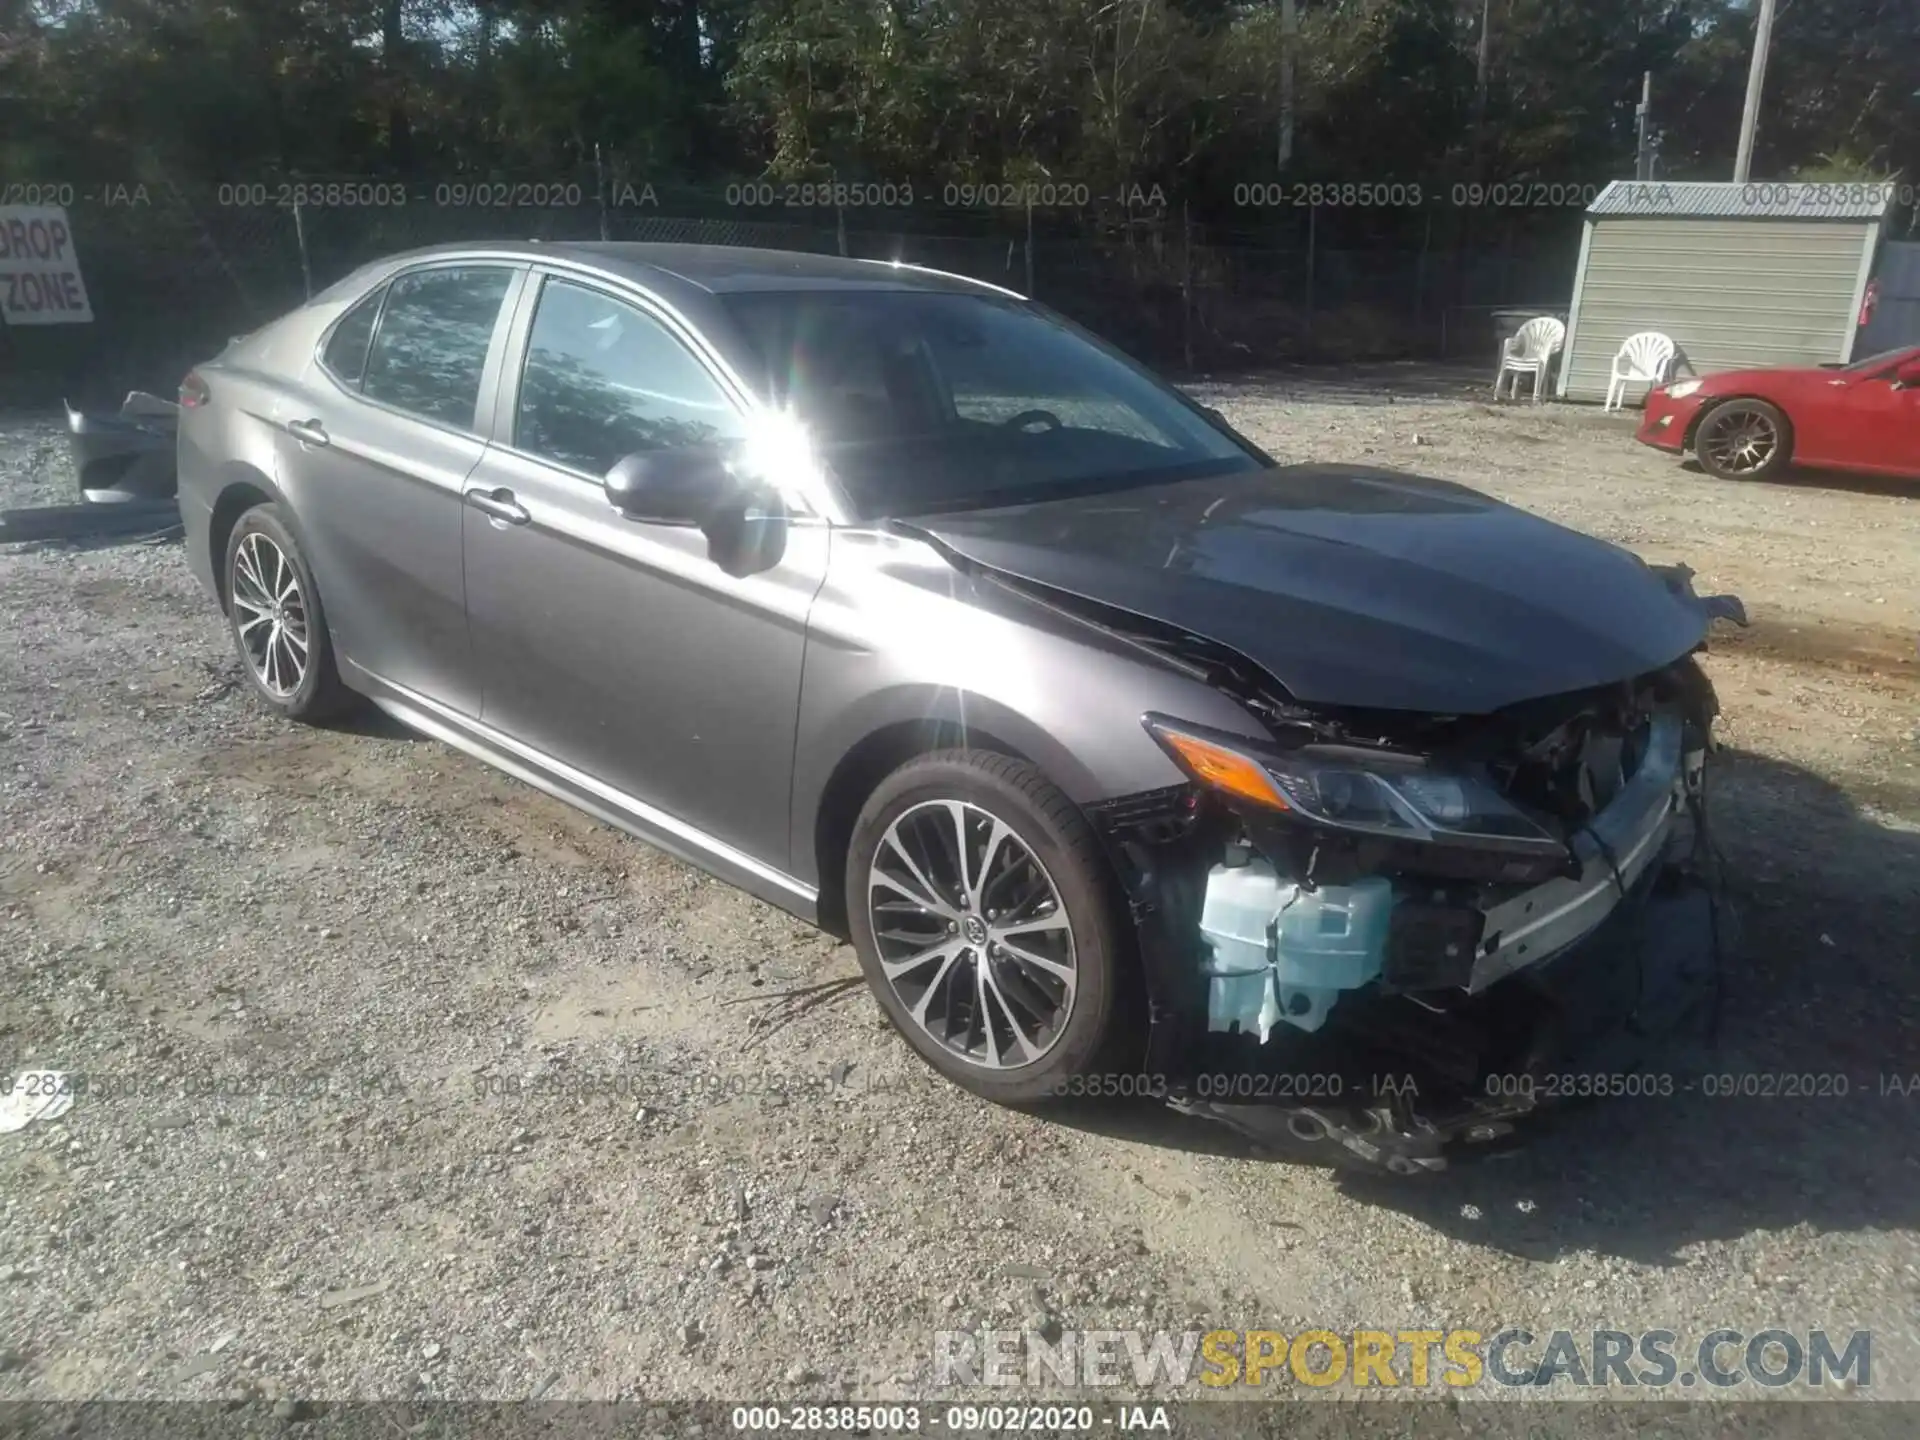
x=1321, y=799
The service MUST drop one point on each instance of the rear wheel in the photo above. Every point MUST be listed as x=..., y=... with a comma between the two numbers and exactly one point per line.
x=279, y=628
x=1743, y=440
x=985, y=921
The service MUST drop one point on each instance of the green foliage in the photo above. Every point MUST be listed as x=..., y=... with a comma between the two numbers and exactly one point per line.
x=1106, y=94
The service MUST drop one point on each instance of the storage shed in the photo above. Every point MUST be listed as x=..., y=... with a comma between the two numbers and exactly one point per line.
x=1767, y=273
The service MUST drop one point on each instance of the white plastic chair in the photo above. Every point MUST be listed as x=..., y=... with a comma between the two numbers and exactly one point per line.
x=1646, y=358
x=1530, y=351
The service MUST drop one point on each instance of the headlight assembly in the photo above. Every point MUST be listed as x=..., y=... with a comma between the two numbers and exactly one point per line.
x=1399, y=798
x=1682, y=390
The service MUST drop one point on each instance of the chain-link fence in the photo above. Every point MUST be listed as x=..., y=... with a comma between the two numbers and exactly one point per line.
x=172, y=271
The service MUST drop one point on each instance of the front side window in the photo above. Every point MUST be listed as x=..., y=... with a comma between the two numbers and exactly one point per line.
x=346, y=353
x=603, y=380
x=921, y=401
x=431, y=347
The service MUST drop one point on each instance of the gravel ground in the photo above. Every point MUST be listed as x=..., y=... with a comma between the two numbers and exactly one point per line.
x=509, y=1105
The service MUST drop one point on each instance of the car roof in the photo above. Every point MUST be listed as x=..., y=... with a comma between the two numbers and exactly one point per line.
x=721, y=269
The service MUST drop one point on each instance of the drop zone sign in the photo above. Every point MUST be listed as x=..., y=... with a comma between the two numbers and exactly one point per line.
x=40, y=280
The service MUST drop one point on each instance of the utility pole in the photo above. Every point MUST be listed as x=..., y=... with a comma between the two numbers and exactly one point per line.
x=1480, y=65
x=1289, y=44
x=1464, y=239
x=1643, y=123
x=1756, y=76
x=600, y=191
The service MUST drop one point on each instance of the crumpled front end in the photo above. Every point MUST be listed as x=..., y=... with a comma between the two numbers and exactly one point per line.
x=1393, y=935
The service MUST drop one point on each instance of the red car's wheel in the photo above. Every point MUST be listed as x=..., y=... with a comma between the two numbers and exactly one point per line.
x=1743, y=440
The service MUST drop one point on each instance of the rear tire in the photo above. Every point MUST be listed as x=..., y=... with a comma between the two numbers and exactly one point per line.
x=1743, y=440
x=1004, y=969
x=278, y=626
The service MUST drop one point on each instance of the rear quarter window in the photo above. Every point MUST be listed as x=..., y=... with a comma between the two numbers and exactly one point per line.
x=346, y=352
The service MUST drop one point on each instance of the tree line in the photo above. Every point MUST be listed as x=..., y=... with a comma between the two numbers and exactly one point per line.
x=1202, y=98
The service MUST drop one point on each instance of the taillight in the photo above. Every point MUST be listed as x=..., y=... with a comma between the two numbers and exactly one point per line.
x=193, y=391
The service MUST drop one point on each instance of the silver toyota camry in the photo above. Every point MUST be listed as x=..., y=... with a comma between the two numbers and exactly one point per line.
x=1131, y=760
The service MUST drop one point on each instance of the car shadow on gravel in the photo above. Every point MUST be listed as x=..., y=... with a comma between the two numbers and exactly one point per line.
x=1892, y=487
x=1805, y=1111
x=374, y=723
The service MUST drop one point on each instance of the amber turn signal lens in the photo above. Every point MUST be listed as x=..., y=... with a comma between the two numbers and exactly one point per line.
x=1222, y=769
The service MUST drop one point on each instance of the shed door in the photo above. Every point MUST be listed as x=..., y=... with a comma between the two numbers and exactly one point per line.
x=1732, y=293
x=1896, y=313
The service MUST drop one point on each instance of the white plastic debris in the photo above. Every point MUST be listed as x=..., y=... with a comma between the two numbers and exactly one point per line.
x=36, y=1095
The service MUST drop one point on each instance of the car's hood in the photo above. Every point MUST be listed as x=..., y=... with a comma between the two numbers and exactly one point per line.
x=1723, y=381
x=1352, y=586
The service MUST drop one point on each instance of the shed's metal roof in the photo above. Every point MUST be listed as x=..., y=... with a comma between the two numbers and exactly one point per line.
x=1753, y=200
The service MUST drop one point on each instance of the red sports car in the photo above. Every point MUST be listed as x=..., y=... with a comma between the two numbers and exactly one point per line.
x=1749, y=424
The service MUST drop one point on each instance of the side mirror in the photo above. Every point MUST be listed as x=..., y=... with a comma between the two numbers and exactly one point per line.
x=1907, y=377
x=668, y=487
x=747, y=531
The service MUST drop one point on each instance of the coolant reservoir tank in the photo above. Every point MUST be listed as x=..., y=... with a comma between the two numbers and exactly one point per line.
x=1282, y=953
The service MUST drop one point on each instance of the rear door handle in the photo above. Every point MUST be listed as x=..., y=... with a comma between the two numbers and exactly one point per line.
x=498, y=505
x=308, y=432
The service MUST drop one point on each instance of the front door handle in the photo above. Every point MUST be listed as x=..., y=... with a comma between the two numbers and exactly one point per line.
x=498, y=505
x=308, y=432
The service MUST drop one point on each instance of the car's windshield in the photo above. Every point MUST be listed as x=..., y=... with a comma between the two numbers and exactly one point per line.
x=1885, y=357
x=920, y=401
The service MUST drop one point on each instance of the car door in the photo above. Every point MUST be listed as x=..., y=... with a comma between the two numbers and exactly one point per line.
x=614, y=646
x=1875, y=426
x=373, y=453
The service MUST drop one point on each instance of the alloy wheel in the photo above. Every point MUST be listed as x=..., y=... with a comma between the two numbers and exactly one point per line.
x=971, y=934
x=1740, y=441
x=270, y=614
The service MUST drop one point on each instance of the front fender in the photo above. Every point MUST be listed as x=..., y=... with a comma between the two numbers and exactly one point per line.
x=900, y=642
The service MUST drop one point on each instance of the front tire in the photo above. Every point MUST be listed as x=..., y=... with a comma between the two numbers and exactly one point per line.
x=984, y=916
x=274, y=614
x=1743, y=440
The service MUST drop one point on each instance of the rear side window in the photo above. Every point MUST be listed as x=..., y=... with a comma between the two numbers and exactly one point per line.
x=432, y=342
x=346, y=352
x=602, y=380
